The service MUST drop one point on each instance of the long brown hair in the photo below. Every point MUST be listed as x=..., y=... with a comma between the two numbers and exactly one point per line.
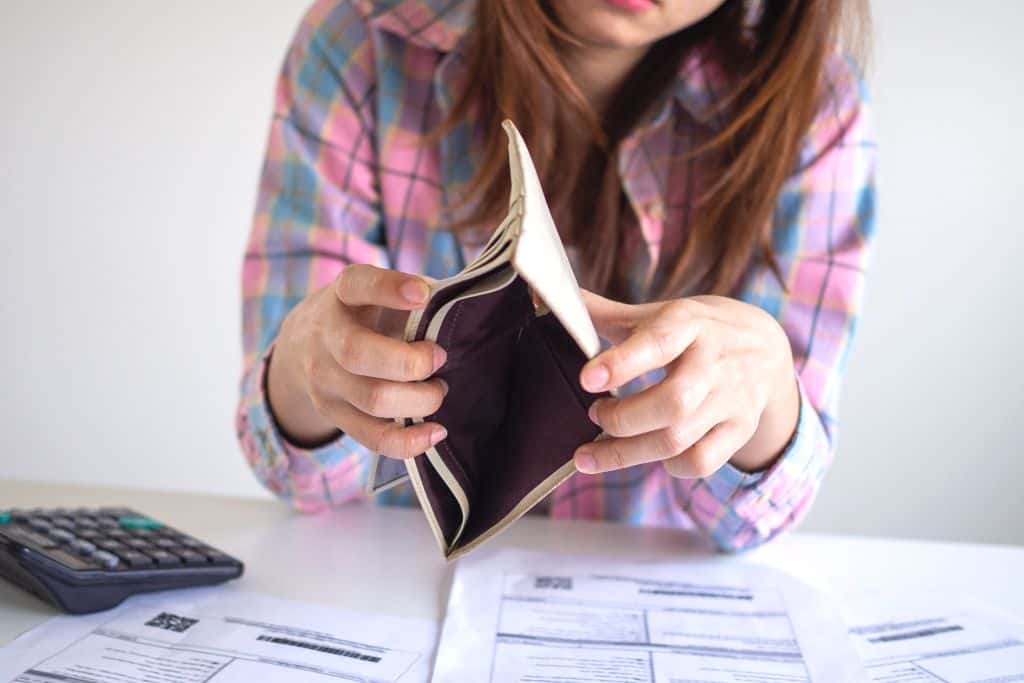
x=773, y=60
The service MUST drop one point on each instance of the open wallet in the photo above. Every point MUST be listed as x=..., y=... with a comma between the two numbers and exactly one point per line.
x=517, y=334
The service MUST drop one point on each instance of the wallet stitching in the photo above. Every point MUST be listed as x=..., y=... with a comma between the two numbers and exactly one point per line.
x=455, y=320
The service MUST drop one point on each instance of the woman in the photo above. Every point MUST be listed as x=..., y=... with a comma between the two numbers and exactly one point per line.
x=710, y=167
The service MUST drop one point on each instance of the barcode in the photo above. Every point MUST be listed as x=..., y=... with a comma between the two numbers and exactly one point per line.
x=172, y=622
x=561, y=583
x=320, y=648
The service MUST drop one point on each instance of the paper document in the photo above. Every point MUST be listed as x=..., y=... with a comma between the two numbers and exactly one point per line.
x=202, y=635
x=521, y=617
x=903, y=641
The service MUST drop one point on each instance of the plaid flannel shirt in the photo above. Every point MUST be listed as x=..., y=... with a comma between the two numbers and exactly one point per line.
x=349, y=178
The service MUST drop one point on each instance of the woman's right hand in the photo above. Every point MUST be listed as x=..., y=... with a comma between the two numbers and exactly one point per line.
x=335, y=367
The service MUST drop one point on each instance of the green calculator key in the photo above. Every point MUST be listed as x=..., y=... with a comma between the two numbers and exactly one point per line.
x=5, y=517
x=138, y=522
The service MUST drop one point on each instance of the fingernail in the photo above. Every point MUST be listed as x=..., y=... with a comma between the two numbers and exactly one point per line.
x=444, y=386
x=440, y=356
x=585, y=461
x=437, y=434
x=592, y=413
x=595, y=378
x=414, y=292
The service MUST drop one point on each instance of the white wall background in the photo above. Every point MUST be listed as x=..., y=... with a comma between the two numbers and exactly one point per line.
x=131, y=135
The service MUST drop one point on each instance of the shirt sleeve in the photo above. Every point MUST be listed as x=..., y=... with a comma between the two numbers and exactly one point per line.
x=317, y=210
x=823, y=225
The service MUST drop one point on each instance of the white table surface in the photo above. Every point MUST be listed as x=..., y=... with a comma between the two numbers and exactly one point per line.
x=380, y=559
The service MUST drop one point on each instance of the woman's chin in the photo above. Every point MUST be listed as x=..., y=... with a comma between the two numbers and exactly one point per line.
x=605, y=26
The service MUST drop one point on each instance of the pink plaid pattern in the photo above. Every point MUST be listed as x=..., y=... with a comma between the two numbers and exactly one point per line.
x=350, y=178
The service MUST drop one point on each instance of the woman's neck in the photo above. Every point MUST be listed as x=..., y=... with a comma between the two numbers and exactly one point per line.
x=599, y=71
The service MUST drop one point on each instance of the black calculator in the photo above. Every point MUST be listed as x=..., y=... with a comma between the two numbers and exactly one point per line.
x=87, y=560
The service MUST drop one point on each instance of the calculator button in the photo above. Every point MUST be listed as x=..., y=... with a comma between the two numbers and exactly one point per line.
x=105, y=521
x=85, y=522
x=164, y=558
x=89, y=534
x=138, y=522
x=117, y=533
x=110, y=544
x=65, y=522
x=23, y=535
x=191, y=543
x=19, y=515
x=39, y=524
x=217, y=557
x=60, y=535
x=166, y=543
x=69, y=560
x=136, y=559
x=138, y=543
x=108, y=560
x=5, y=518
x=191, y=557
x=83, y=548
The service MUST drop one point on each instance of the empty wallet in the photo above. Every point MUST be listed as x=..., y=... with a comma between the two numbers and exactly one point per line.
x=515, y=411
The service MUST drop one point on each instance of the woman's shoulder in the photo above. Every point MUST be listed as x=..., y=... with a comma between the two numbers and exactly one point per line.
x=845, y=86
x=844, y=110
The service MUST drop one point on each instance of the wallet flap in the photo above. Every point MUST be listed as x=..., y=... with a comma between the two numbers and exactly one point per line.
x=539, y=256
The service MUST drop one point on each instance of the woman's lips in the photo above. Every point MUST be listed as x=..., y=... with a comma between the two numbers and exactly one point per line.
x=632, y=5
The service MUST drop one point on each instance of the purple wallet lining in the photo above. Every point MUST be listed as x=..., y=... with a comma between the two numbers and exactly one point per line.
x=514, y=412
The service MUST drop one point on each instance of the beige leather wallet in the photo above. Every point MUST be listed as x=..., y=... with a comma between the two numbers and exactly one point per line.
x=515, y=411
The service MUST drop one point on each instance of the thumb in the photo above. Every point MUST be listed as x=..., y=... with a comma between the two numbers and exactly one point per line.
x=614, y=320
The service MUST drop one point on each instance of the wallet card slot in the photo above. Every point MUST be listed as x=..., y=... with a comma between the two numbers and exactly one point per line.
x=500, y=242
x=445, y=291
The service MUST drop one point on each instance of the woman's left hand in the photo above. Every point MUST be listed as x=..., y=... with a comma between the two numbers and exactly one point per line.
x=729, y=393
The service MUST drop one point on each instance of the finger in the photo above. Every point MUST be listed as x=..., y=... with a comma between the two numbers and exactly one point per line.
x=386, y=437
x=706, y=456
x=672, y=401
x=614, y=320
x=362, y=351
x=364, y=285
x=605, y=455
x=382, y=398
x=653, y=345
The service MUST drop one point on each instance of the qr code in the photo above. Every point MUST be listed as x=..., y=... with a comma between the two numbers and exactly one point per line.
x=172, y=622
x=561, y=583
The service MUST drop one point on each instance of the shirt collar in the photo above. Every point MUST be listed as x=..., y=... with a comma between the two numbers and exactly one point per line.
x=700, y=83
x=435, y=24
